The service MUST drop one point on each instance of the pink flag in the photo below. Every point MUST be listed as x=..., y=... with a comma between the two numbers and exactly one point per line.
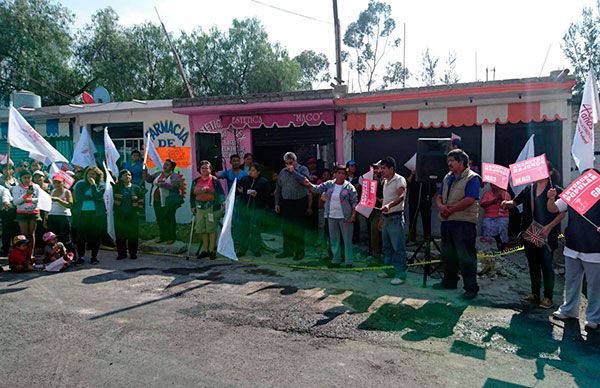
x=529, y=170
x=368, y=196
x=583, y=193
x=495, y=174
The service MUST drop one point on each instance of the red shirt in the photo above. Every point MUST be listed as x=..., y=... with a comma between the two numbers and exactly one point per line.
x=204, y=190
x=17, y=257
x=494, y=210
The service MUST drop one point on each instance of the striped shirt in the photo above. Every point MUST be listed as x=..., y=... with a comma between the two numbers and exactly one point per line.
x=290, y=185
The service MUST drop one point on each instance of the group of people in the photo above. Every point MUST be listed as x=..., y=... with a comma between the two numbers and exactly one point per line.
x=77, y=219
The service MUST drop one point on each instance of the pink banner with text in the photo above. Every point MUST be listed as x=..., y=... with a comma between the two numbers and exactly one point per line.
x=495, y=174
x=583, y=193
x=529, y=170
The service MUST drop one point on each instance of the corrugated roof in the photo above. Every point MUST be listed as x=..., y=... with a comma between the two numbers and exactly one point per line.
x=254, y=98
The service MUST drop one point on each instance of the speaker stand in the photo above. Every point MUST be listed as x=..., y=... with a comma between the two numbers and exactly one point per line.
x=426, y=261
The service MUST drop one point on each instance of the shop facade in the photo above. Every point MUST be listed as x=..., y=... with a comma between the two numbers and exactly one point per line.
x=494, y=120
x=267, y=126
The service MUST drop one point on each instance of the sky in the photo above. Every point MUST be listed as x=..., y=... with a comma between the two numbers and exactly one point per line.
x=512, y=36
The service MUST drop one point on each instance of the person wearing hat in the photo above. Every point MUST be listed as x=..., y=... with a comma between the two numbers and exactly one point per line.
x=340, y=202
x=25, y=198
x=19, y=259
x=58, y=219
x=392, y=211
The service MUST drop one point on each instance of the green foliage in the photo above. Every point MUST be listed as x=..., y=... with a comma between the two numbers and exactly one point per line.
x=396, y=75
x=38, y=53
x=581, y=44
x=428, y=72
x=35, y=50
x=241, y=61
x=371, y=35
x=315, y=68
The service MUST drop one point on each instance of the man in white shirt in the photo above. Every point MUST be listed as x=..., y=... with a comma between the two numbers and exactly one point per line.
x=394, y=248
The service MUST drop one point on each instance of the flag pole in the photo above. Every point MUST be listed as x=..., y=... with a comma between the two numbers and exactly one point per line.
x=146, y=149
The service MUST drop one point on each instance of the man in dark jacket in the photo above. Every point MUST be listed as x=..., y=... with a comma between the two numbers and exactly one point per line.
x=254, y=193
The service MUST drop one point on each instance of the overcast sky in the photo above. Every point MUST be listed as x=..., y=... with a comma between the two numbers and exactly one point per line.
x=513, y=36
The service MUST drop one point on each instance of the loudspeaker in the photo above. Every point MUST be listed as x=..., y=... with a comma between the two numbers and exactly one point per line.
x=208, y=147
x=432, y=163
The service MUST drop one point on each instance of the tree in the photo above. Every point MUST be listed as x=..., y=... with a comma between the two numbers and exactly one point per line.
x=396, y=75
x=428, y=73
x=35, y=50
x=450, y=76
x=241, y=61
x=370, y=36
x=581, y=44
x=315, y=68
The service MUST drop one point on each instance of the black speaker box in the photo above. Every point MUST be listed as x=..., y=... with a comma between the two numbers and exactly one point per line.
x=208, y=147
x=432, y=163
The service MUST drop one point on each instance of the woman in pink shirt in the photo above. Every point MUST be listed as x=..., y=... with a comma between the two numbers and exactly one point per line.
x=495, y=219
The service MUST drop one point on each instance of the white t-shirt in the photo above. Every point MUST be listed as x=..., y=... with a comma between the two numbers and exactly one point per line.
x=335, y=204
x=390, y=191
x=587, y=257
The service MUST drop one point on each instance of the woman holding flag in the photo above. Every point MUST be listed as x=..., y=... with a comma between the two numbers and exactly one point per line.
x=25, y=197
x=89, y=213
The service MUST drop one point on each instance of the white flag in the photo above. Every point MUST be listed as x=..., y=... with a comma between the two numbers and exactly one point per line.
x=44, y=200
x=583, y=141
x=527, y=152
x=111, y=154
x=22, y=135
x=152, y=153
x=411, y=164
x=53, y=170
x=225, y=245
x=108, y=203
x=83, y=155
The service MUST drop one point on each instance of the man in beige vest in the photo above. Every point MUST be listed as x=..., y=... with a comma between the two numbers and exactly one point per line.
x=458, y=205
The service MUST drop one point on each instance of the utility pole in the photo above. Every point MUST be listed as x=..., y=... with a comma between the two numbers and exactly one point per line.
x=338, y=54
x=404, y=57
x=188, y=87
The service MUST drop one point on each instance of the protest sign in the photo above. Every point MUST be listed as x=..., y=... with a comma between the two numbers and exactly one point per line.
x=583, y=193
x=361, y=209
x=495, y=174
x=368, y=196
x=180, y=155
x=529, y=170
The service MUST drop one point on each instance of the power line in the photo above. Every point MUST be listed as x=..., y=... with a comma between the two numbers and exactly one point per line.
x=291, y=12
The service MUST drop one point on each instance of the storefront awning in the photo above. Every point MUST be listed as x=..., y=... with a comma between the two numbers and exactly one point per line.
x=280, y=120
x=458, y=116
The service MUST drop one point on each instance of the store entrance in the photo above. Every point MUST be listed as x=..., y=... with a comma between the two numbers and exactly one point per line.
x=270, y=144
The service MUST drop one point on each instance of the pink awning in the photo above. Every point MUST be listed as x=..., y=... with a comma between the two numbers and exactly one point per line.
x=281, y=120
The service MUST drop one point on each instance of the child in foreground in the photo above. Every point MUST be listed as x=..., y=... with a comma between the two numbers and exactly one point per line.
x=56, y=256
x=18, y=258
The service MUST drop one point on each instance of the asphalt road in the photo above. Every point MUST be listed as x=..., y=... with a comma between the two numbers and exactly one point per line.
x=163, y=321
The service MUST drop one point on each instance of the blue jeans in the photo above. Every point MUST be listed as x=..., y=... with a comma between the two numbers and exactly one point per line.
x=337, y=227
x=394, y=248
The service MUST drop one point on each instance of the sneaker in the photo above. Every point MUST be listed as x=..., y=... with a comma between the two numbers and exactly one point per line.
x=283, y=255
x=590, y=326
x=203, y=255
x=444, y=286
x=94, y=261
x=383, y=275
x=547, y=303
x=397, y=281
x=468, y=295
x=560, y=316
x=531, y=298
